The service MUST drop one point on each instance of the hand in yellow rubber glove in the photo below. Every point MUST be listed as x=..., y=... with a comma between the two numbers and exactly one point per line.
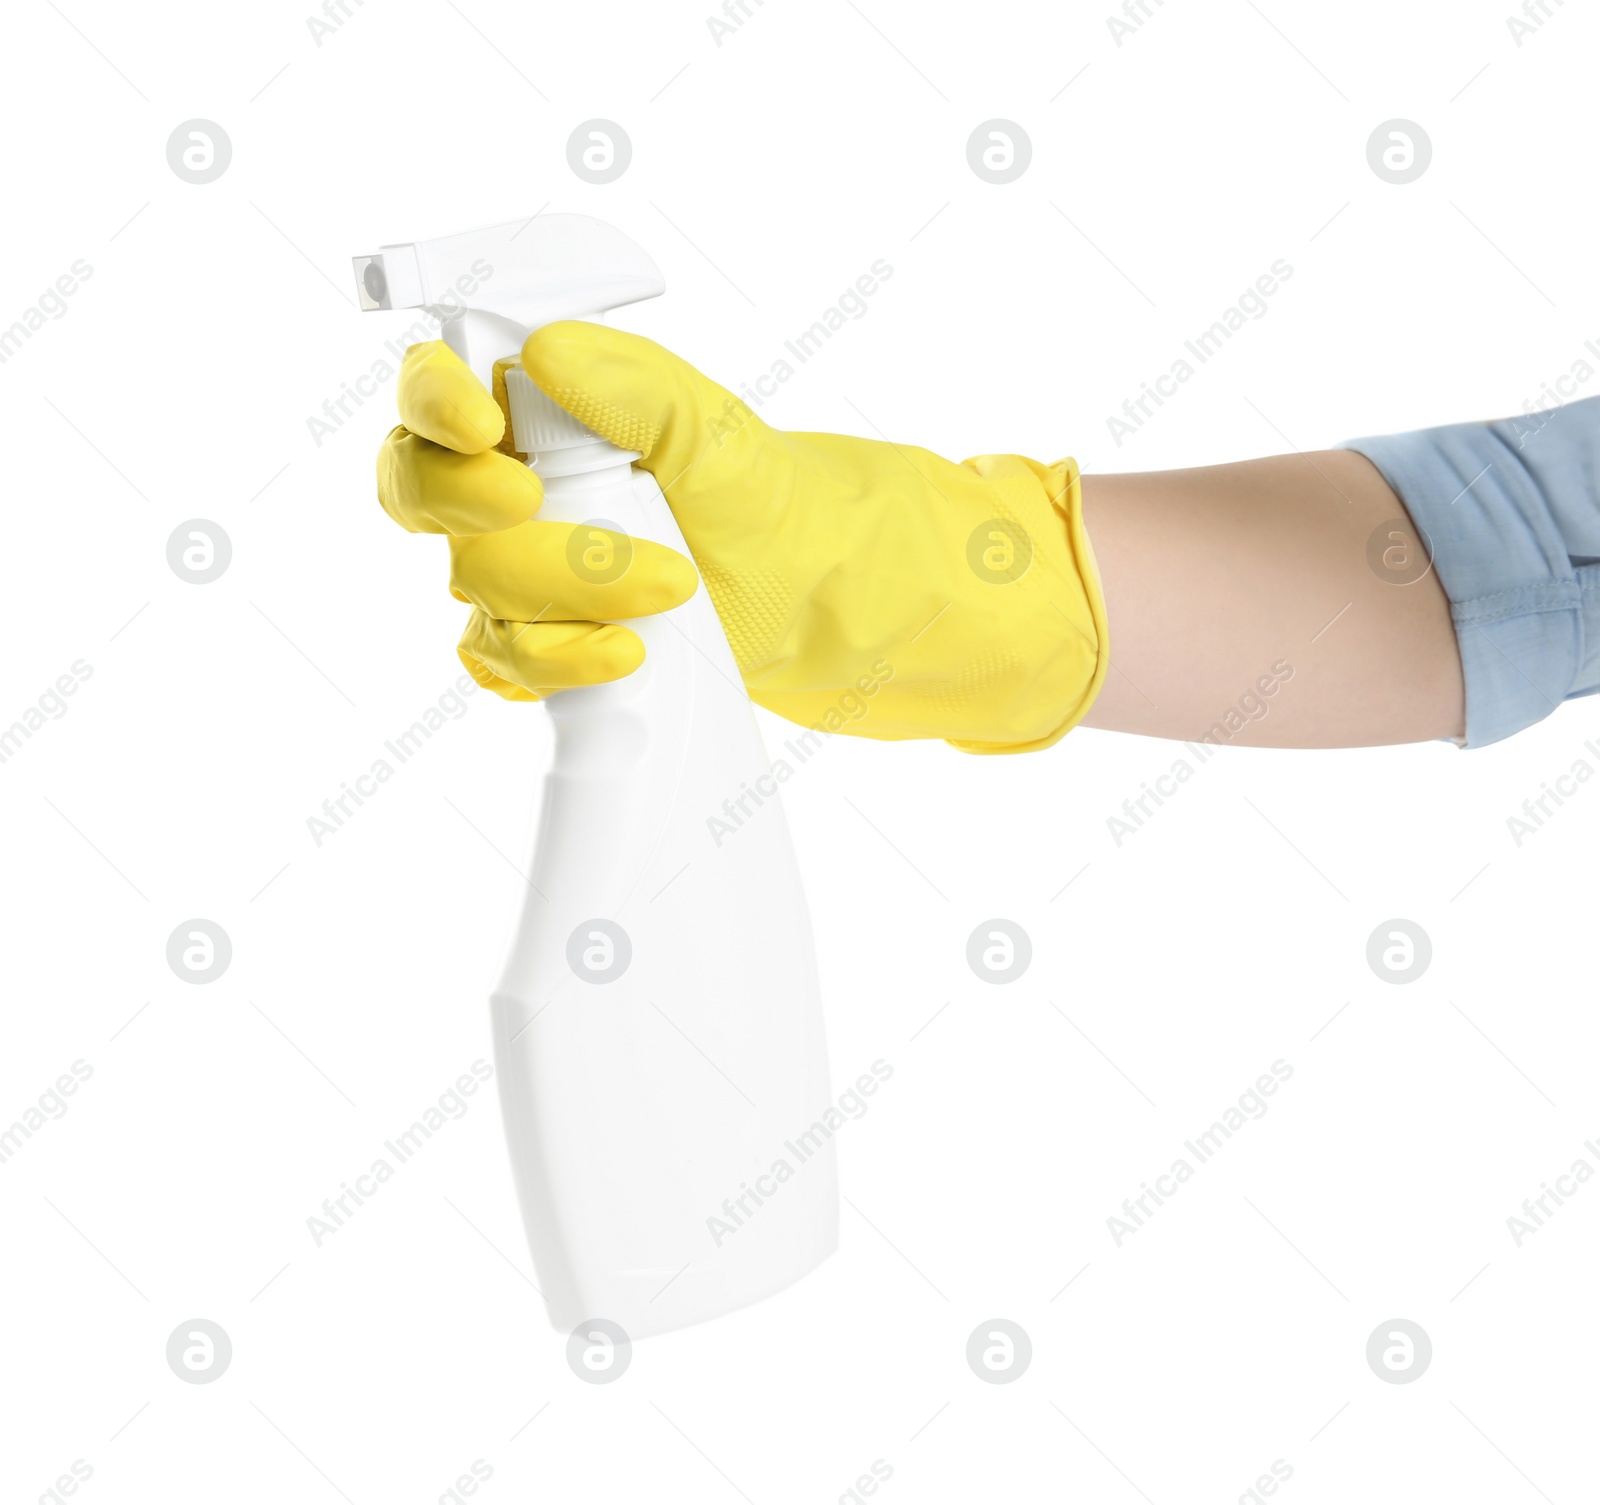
x=965, y=595
x=536, y=625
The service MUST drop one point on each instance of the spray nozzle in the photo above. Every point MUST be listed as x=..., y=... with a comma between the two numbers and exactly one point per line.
x=491, y=288
x=506, y=280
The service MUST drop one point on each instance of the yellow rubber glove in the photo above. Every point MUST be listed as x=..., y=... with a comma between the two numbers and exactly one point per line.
x=865, y=587
x=536, y=626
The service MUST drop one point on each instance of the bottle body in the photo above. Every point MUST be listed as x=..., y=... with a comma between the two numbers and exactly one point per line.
x=657, y=1024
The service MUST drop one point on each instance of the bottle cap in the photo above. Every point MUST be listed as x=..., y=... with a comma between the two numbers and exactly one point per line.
x=555, y=443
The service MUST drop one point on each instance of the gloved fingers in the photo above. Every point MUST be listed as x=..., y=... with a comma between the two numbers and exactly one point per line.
x=642, y=397
x=561, y=572
x=528, y=660
x=442, y=400
x=427, y=488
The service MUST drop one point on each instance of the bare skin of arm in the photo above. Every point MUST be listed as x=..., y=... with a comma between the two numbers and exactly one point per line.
x=1213, y=576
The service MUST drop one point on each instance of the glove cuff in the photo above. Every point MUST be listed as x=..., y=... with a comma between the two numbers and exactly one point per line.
x=1065, y=489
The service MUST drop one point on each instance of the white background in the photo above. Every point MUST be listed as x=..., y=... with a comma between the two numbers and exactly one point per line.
x=768, y=173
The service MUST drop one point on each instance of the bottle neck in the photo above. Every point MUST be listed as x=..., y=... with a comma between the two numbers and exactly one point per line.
x=584, y=468
x=559, y=444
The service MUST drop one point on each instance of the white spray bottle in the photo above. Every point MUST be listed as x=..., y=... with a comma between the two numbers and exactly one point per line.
x=657, y=1026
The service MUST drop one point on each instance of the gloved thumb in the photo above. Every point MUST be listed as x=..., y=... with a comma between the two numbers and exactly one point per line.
x=640, y=396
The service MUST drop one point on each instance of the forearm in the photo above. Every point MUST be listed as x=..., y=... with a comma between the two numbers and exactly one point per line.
x=1224, y=580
